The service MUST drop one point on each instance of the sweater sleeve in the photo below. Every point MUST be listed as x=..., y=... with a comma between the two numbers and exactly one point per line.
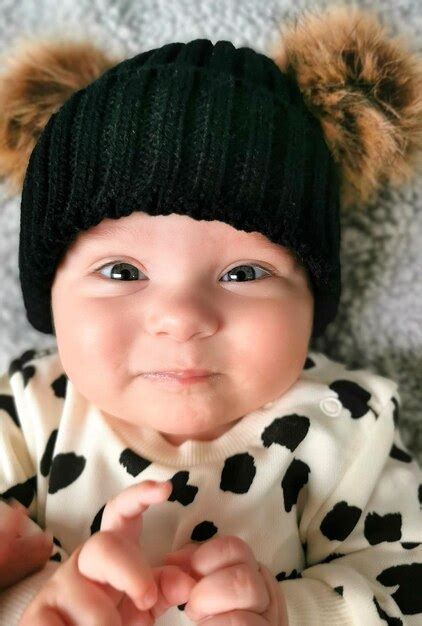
x=18, y=480
x=363, y=546
x=17, y=472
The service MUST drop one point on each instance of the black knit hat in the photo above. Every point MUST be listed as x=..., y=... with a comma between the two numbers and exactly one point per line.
x=200, y=129
x=210, y=131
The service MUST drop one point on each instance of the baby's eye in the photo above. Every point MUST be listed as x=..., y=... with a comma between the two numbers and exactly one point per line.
x=242, y=273
x=119, y=270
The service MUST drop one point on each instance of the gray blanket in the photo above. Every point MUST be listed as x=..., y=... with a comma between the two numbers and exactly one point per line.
x=379, y=324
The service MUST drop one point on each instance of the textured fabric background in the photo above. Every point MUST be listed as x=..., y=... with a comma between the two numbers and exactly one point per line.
x=379, y=324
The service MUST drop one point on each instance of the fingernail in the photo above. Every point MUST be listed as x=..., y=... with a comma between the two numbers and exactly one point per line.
x=149, y=598
x=160, y=483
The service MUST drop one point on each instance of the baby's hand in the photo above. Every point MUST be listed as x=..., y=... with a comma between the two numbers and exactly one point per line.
x=232, y=585
x=24, y=548
x=106, y=579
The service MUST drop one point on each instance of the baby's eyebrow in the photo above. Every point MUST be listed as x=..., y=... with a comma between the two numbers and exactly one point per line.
x=107, y=233
x=263, y=244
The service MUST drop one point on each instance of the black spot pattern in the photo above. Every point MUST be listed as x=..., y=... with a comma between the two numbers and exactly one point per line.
x=288, y=431
x=59, y=386
x=379, y=528
x=27, y=373
x=56, y=556
x=182, y=492
x=65, y=469
x=400, y=455
x=96, y=523
x=7, y=403
x=133, y=462
x=396, y=412
x=340, y=521
x=332, y=557
x=18, y=365
x=238, y=473
x=47, y=457
x=391, y=621
x=408, y=596
x=309, y=363
x=203, y=531
x=283, y=576
x=294, y=479
x=23, y=492
x=352, y=396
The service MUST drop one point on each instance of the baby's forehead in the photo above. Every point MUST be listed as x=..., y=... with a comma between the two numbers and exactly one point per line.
x=143, y=227
x=154, y=233
x=150, y=235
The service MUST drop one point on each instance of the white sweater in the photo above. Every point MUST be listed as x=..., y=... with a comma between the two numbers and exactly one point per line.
x=319, y=484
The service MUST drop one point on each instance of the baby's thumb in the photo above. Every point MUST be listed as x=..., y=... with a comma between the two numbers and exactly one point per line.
x=174, y=587
x=183, y=557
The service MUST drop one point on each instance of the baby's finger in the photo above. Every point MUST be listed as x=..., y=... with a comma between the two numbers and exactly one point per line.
x=46, y=616
x=222, y=551
x=111, y=558
x=174, y=587
x=130, y=615
x=182, y=558
x=73, y=598
x=235, y=587
x=124, y=512
x=246, y=618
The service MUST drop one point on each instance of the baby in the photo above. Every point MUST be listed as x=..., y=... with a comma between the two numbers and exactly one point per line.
x=194, y=459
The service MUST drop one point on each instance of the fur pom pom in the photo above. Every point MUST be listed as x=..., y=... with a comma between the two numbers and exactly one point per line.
x=366, y=90
x=39, y=76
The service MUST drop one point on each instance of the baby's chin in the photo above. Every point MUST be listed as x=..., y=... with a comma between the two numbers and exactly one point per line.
x=203, y=412
x=177, y=421
x=214, y=433
x=198, y=428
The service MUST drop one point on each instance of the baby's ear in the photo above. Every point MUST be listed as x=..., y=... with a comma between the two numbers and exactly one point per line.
x=365, y=87
x=38, y=76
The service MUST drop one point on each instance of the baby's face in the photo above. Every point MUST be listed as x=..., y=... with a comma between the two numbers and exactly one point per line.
x=180, y=301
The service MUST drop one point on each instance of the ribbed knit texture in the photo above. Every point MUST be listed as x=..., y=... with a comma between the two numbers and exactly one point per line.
x=15, y=599
x=196, y=128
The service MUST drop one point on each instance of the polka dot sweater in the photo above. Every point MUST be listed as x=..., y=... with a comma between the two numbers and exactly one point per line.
x=318, y=483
